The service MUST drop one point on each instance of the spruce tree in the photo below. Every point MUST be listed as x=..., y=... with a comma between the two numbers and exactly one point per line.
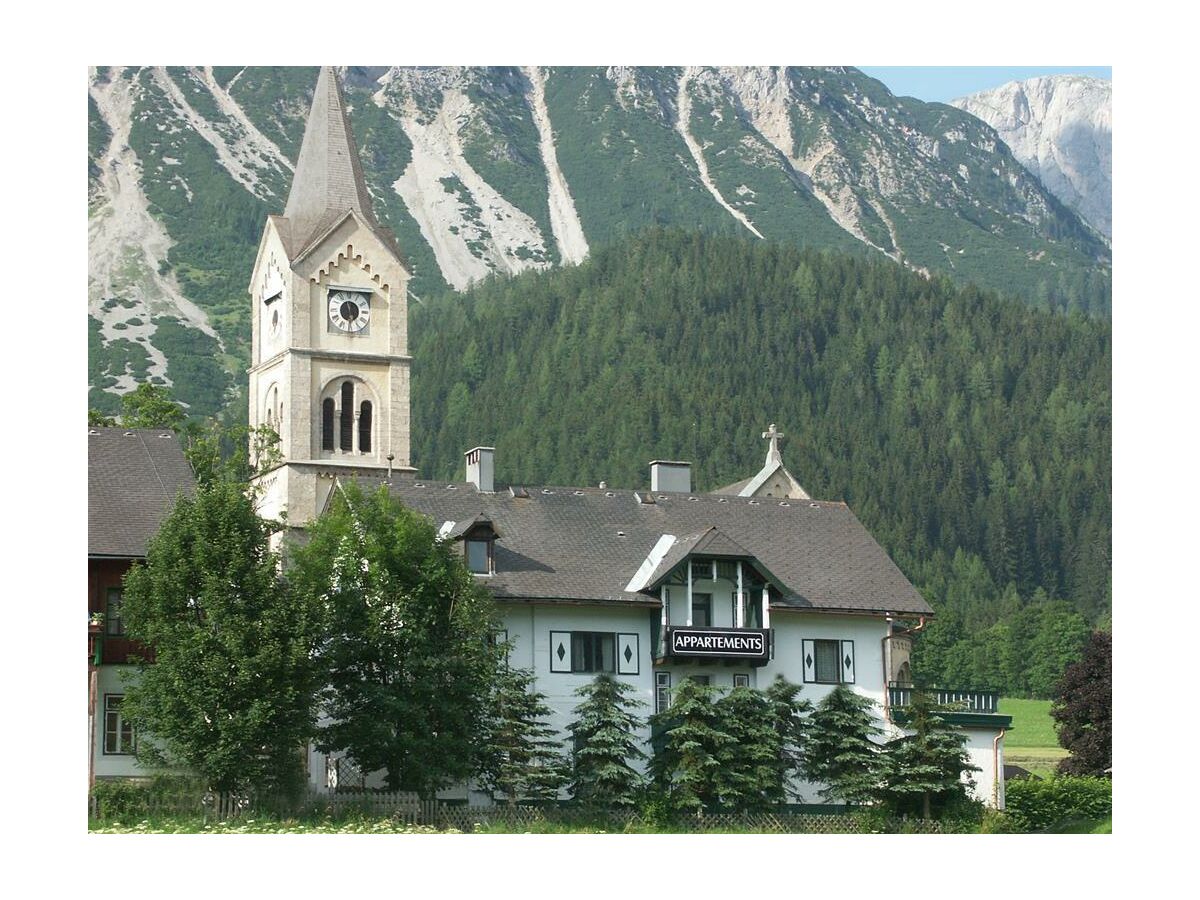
x=605, y=738
x=840, y=753
x=688, y=755
x=521, y=754
x=922, y=771
x=749, y=776
x=790, y=717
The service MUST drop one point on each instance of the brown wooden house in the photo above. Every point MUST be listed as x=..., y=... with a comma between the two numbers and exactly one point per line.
x=134, y=475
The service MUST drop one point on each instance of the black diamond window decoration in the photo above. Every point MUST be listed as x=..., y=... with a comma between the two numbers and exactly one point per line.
x=561, y=651
x=808, y=660
x=628, y=653
x=847, y=660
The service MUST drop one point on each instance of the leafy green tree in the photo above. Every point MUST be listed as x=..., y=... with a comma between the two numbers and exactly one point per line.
x=686, y=765
x=97, y=419
x=521, y=754
x=407, y=657
x=922, y=771
x=840, y=753
x=151, y=406
x=230, y=693
x=749, y=775
x=1082, y=709
x=604, y=734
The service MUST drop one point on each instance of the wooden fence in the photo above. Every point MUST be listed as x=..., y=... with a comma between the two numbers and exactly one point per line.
x=409, y=809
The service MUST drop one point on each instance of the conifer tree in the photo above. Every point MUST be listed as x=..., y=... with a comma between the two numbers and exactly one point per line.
x=840, y=753
x=923, y=770
x=688, y=755
x=521, y=755
x=749, y=776
x=790, y=717
x=604, y=733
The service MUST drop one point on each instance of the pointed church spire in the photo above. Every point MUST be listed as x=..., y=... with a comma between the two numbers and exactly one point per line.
x=329, y=177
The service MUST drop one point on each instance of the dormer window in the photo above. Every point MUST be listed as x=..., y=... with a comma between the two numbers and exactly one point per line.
x=479, y=556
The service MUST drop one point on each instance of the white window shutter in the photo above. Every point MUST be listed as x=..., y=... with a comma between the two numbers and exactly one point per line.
x=848, y=662
x=628, y=656
x=560, y=651
x=810, y=661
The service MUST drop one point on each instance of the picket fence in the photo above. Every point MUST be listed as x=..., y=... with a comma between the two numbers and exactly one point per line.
x=409, y=809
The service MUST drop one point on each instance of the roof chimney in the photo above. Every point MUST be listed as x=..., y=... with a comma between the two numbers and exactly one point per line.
x=481, y=469
x=668, y=475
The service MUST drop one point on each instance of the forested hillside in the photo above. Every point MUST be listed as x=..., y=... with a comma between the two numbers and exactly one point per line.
x=971, y=435
x=498, y=170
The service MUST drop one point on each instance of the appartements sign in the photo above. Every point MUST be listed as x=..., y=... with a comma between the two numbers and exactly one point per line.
x=736, y=643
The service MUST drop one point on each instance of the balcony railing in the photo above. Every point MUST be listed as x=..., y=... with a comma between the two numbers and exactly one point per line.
x=987, y=702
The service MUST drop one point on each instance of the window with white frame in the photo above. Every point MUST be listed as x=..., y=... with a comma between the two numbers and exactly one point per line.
x=742, y=680
x=119, y=738
x=662, y=691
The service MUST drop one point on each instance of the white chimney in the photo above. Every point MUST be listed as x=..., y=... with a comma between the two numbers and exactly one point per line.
x=668, y=475
x=481, y=469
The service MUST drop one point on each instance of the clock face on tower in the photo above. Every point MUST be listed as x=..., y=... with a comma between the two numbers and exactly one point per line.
x=349, y=311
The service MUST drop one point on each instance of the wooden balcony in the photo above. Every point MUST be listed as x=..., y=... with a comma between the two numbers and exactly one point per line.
x=965, y=707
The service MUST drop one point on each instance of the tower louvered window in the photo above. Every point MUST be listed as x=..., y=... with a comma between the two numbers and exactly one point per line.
x=347, y=424
x=327, y=424
x=364, y=427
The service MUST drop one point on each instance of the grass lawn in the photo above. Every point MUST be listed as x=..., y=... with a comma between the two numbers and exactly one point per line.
x=1032, y=743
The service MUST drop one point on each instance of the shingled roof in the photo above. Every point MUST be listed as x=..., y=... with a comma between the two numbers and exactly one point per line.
x=134, y=475
x=329, y=182
x=586, y=544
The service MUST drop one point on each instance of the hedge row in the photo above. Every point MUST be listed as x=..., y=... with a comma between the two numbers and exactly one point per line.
x=1034, y=805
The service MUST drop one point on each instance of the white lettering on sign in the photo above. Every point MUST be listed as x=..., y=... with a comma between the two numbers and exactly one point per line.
x=750, y=643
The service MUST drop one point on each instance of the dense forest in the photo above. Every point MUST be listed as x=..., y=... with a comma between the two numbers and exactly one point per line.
x=970, y=434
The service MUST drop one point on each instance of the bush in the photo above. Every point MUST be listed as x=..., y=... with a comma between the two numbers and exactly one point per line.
x=1034, y=805
x=127, y=798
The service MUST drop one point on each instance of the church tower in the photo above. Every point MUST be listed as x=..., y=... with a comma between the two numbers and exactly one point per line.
x=329, y=367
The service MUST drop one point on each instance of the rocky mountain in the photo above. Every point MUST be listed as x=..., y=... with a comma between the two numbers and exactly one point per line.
x=1060, y=128
x=485, y=171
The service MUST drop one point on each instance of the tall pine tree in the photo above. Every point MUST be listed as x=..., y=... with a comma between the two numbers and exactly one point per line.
x=688, y=754
x=923, y=771
x=604, y=733
x=521, y=753
x=840, y=753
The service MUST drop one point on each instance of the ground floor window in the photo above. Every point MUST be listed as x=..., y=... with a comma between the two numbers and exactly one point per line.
x=741, y=681
x=662, y=691
x=119, y=738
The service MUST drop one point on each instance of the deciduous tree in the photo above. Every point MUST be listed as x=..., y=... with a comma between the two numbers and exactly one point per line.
x=1082, y=709
x=408, y=660
x=230, y=693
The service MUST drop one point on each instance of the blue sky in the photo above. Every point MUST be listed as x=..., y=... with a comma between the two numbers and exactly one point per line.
x=942, y=83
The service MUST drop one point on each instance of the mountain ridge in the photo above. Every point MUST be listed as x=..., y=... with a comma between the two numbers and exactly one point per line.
x=1060, y=128
x=483, y=171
